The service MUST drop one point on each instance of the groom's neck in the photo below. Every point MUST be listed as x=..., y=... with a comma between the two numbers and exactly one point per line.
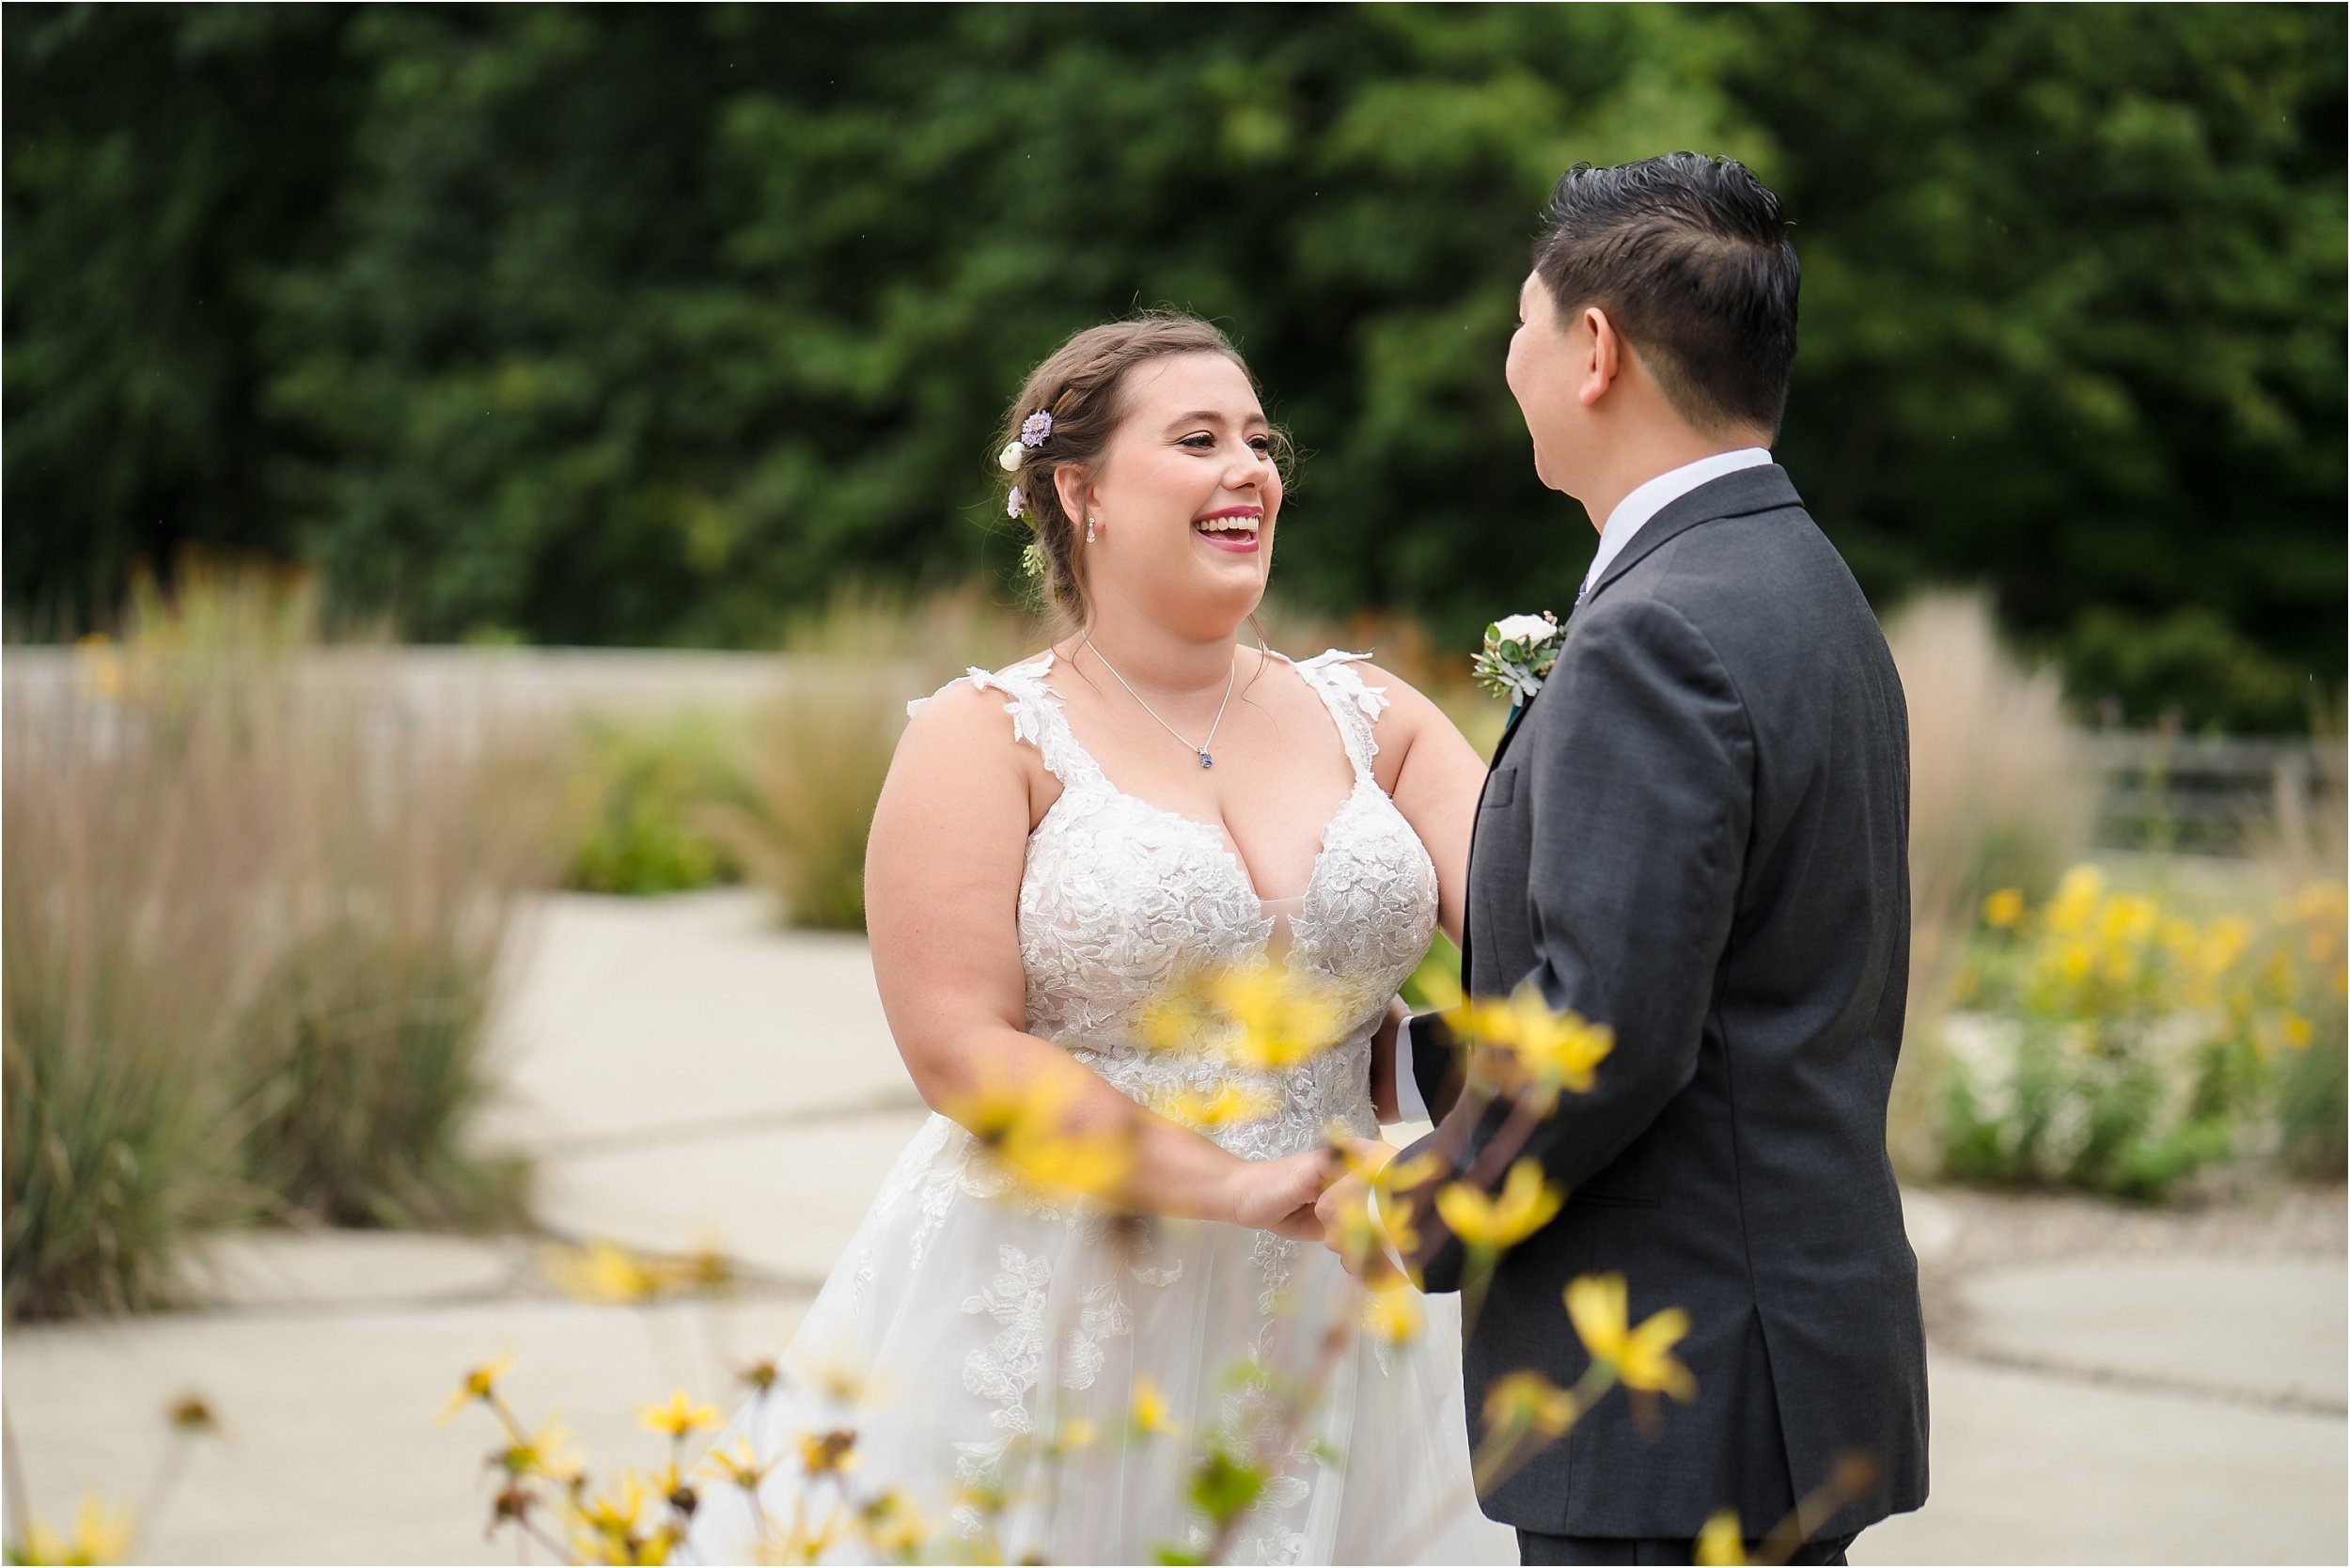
x=1639, y=454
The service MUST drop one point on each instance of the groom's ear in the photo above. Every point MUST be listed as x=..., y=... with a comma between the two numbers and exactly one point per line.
x=1602, y=353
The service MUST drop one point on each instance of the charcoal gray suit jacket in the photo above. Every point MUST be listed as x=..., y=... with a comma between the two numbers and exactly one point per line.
x=1698, y=833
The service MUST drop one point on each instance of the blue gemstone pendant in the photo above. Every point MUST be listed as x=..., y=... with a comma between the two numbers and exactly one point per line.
x=1206, y=761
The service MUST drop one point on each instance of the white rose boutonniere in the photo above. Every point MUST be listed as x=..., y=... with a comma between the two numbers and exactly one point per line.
x=1519, y=651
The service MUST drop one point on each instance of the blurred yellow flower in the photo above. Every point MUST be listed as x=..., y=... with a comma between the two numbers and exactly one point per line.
x=614, y=1512
x=890, y=1526
x=1151, y=1413
x=604, y=1273
x=679, y=1416
x=1525, y=1205
x=1027, y=1126
x=545, y=1452
x=1525, y=1401
x=1392, y=1315
x=1599, y=1306
x=479, y=1384
x=2297, y=1030
x=828, y=1453
x=2004, y=908
x=1553, y=1046
x=1263, y=1016
x=1230, y=1103
x=101, y=1533
x=1360, y=1234
x=2076, y=900
x=738, y=1464
x=1076, y=1433
x=1722, y=1544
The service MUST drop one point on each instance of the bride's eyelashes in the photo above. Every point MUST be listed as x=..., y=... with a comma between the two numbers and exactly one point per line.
x=1204, y=441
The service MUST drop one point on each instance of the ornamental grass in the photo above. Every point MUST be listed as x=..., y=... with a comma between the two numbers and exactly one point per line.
x=252, y=913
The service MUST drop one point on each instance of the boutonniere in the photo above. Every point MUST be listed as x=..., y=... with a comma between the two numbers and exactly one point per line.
x=1519, y=651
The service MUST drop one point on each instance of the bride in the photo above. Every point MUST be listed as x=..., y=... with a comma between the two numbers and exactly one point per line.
x=1057, y=842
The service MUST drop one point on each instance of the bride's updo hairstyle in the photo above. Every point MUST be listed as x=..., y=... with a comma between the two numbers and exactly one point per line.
x=1081, y=386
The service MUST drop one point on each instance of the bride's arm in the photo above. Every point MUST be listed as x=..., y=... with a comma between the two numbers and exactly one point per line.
x=1434, y=775
x=941, y=891
x=1431, y=771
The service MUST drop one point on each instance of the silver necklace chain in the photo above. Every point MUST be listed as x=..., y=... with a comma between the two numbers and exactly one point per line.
x=1206, y=758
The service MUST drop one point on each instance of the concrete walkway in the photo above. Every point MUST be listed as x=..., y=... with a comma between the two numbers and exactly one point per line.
x=685, y=1074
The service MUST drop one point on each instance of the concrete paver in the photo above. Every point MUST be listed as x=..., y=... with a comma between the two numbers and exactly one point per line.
x=2267, y=1327
x=626, y=1015
x=2029, y=1468
x=332, y=1268
x=331, y=1454
x=783, y=1202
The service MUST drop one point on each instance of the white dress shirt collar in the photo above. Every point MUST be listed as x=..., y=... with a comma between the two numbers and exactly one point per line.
x=1635, y=509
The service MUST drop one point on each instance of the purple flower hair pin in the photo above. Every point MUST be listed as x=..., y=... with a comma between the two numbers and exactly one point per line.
x=1034, y=432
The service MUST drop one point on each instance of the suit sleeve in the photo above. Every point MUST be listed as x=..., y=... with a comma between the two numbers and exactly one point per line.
x=1640, y=784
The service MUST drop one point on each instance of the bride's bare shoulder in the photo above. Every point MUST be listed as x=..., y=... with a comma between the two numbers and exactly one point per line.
x=975, y=720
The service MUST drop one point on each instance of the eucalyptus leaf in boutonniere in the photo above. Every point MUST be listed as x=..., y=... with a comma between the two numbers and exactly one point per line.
x=1519, y=651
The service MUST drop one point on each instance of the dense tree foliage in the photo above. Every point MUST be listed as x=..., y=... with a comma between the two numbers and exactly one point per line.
x=642, y=324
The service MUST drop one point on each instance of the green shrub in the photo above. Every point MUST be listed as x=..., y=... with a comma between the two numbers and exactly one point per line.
x=2136, y=1045
x=646, y=791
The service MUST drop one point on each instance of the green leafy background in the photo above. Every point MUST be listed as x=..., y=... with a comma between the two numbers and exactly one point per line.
x=646, y=325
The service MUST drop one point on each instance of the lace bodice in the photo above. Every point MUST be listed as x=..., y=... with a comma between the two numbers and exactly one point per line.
x=1119, y=897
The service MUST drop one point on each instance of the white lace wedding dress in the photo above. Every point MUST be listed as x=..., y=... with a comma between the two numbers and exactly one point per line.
x=982, y=1323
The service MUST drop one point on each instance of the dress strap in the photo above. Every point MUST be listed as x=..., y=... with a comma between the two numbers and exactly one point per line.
x=1035, y=716
x=1353, y=705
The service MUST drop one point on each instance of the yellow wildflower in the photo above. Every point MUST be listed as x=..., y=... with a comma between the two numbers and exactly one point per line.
x=1525, y=1205
x=828, y=1453
x=1553, y=1046
x=2074, y=961
x=1598, y=1307
x=479, y=1384
x=101, y=1533
x=1076, y=1433
x=2076, y=900
x=614, y=1512
x=1264, y=1016
x=1151, y=1410
x=1722, y=1544
x=2004, y=908
x=604, y=1273
x=739, y=1463
x=1393, y=1315
x=679, y=1416
x=1361, y=1235
x=1525, y=1401
x=1280, y=1017
x=543, y=1452
x=1199, y=1110
x=2297, y=1030
x=890, y=1526
x=1027, y=1124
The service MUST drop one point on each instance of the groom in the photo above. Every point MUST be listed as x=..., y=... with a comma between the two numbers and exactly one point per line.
x=1696, y=832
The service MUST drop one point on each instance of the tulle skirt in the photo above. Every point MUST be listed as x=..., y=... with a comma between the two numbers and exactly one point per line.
x=990, y=1375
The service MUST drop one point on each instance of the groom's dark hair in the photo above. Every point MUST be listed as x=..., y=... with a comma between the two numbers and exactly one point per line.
x=1689, y=255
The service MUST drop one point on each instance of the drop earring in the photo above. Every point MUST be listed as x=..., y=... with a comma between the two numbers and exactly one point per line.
x=1092, y=524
